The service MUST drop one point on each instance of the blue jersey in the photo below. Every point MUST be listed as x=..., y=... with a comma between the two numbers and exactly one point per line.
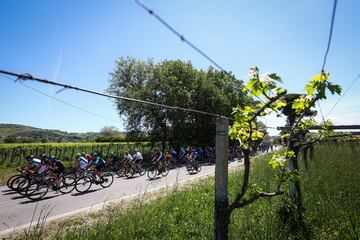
x=173, y=153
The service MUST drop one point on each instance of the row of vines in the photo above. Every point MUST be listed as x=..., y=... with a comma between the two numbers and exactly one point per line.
x=12, y=155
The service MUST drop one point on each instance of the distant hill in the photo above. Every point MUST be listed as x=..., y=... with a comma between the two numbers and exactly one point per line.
x=16, y=133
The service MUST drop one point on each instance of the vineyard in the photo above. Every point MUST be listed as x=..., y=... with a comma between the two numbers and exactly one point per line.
x=13, y=155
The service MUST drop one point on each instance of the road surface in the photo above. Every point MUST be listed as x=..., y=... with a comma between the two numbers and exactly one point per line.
x=17, y=212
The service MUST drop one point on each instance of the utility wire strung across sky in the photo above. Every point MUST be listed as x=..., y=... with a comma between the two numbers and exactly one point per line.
x=62, y=101
x=328, y=47
x=167, y=25
x=66, y=86
x=346, y=91
x=182, y=38
x=30, y=77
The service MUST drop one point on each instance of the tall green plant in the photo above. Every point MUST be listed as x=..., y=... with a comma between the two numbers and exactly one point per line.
x=247, y=132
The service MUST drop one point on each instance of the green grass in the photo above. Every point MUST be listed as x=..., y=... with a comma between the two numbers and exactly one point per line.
x=6, y=173
x=331, y=195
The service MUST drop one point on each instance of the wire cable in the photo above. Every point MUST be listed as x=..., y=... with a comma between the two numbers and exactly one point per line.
x=32, y=78
x=328, y=48
x=346, y=91
x=183, y=39
x=62, y=101
x=330, y=35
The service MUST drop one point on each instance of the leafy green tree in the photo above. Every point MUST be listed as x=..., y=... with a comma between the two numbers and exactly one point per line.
x=110, y=134
x=174, y=83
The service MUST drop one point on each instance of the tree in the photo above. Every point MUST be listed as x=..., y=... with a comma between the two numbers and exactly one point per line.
x=174, y=83
x=110, y=134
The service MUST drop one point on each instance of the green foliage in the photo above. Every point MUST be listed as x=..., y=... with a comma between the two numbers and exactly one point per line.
x=174, y=83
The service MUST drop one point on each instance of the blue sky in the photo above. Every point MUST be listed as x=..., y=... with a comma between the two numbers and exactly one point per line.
x=77, y=42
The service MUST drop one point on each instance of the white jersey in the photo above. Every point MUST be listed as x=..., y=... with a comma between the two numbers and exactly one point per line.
x=128, y=158
x=138, y=156
x=35, y=161
x=83, y=162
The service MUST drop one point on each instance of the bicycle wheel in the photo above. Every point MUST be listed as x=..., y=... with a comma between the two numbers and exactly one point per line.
x=36, y=190
x=152, y=173
x=121, y=172
x=67, y=184
x=14, y=185
x=83, y=184
x=190, y=168
x=9, y=181
x=165, y=172
x=22, y=186
x=199, y=168
x=107, y=180
x=141, y=171
x=129, y=173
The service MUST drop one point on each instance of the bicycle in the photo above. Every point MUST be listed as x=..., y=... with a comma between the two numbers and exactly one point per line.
x=84, y=183
x=154, y=170
x=131, y=169
x=39, y=186
x=192, y=166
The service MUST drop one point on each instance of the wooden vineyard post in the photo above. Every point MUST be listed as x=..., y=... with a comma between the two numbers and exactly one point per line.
x=304, y=157
x=221, y=215
x=311, y=152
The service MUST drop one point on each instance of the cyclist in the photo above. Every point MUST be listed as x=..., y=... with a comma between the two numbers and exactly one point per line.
x=127, y=157
x=137, y=158
x=32, y=163
x=192, y=158
x=158, y=159
x=80, y=163
x=173, y=157
x=167, y=157
x=182, y=154
x=89, y=157
x=114, y=161
x=58, y=170
x=99, y=164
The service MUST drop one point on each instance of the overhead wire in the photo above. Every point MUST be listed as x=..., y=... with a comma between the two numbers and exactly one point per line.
x=328, y=48
x=62, y=101
x=342, y=95
x=66, y=86
x=182, y=38
x=185, y=40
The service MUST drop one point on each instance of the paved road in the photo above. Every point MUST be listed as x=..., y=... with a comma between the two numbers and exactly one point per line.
x=16, y=212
